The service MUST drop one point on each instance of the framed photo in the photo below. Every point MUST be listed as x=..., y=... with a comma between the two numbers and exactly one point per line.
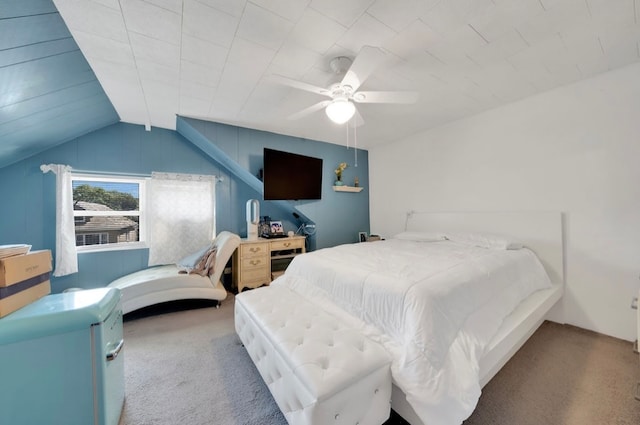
x=276, y=228
x=362, y=236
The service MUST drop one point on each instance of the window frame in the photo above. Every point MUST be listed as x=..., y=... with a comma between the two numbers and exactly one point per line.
x=141, y=213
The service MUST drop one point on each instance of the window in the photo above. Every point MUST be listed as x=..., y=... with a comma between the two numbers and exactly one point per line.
x=108, y=212
x=92, y=239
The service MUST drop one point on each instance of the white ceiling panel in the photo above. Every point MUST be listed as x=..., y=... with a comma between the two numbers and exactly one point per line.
x=316, y=31
x=155, y=22
x=204, y=92
x=204, y=53
x=93, y=18
x=211, y=59
x=230, y=7
x=291, y=10
x=113, y=4
x=171, y=5
x=399, y=14
x=416, y=37
x=199, y=74
x=263, y=27
x=209, y=24
x=248, y=58
x=193, y=107
x=148, y=70
x=294, y=61
x=343, y=12
x=105, y=49
x=366, y=28
x=155, y=50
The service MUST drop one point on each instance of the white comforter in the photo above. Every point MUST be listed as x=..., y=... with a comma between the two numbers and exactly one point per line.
x=433, y=305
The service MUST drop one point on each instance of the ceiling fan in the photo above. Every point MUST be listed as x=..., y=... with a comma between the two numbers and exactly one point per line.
x=340, y=108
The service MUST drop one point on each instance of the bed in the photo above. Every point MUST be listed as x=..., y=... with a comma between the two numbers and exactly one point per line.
x=446, y=341
x=166, y=283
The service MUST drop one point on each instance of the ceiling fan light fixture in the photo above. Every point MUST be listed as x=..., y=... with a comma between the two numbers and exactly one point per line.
x=340, y=110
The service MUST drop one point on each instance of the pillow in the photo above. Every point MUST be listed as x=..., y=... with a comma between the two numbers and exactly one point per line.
x=420, y=236
x=485, y=240
x=190, y=262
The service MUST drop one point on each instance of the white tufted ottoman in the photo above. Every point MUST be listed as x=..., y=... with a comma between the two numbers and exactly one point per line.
x=318, y=370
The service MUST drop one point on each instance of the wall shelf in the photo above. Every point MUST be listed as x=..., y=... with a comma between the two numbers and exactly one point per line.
x=347, y=189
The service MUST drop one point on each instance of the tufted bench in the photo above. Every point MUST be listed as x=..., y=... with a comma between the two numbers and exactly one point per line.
x=318, y=370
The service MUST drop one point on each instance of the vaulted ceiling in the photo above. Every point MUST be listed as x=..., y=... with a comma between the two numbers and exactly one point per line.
x=48, y=92
x=215, y=59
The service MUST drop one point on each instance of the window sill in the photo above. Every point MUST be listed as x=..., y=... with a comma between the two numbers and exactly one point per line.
x=88, y=249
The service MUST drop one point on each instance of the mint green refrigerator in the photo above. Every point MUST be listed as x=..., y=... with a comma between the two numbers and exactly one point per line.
x=62, y=360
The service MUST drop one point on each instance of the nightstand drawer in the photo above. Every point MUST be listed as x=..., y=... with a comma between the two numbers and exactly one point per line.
x=255, y=275
x=254, y=249
x=285, y=244
x=251, y=263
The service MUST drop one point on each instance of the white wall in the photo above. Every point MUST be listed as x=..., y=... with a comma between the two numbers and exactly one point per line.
x=575, y=149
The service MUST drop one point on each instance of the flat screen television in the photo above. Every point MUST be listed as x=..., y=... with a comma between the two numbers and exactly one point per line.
x=290, y=176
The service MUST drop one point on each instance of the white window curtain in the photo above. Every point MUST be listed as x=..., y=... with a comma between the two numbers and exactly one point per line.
x=181, y=215
x=66, y=255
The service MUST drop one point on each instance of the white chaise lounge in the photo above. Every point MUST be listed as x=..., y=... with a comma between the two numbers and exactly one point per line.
x=163, y=283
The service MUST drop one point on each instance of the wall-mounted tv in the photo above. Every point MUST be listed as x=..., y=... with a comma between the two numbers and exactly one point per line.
x=290, y=176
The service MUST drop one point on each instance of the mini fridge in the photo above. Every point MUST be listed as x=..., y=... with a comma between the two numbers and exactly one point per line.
x=61, y=360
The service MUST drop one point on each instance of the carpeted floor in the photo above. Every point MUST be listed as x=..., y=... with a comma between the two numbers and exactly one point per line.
x=184, y=365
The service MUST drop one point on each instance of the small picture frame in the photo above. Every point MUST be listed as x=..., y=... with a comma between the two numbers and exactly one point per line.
x=362, y=236
x=276, y=228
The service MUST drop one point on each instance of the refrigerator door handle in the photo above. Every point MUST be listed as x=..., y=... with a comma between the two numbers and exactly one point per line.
x=111, y=355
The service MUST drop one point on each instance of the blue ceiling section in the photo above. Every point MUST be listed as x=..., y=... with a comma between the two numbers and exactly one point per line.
x=48, y=92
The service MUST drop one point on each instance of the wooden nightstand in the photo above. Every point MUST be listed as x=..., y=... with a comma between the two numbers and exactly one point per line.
x=251, y=264
x=257, y=262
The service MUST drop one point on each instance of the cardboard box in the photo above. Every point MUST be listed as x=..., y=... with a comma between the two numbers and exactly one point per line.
x=19, y=268
x=21, y=298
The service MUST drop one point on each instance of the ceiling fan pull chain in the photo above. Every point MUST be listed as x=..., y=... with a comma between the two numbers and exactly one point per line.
x=347, y=134
x=355, y=145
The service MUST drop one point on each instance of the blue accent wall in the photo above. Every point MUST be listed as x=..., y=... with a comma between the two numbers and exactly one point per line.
x=28, y=196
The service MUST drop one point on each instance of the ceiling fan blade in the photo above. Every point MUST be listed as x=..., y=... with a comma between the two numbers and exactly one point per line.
x=279, y=79
x=310, y=110
x=363, y=66
x=385, y=97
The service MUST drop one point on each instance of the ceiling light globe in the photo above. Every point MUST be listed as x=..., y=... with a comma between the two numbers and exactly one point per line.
x=340, y=111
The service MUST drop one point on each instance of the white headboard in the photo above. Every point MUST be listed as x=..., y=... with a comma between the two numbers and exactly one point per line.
x=539, y=231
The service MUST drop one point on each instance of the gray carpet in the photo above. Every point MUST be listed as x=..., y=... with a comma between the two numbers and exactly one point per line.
x=185, y=365
x=564, y=375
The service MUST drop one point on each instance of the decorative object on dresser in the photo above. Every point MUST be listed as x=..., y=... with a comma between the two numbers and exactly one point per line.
x=258, y=262
x=253, y=216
